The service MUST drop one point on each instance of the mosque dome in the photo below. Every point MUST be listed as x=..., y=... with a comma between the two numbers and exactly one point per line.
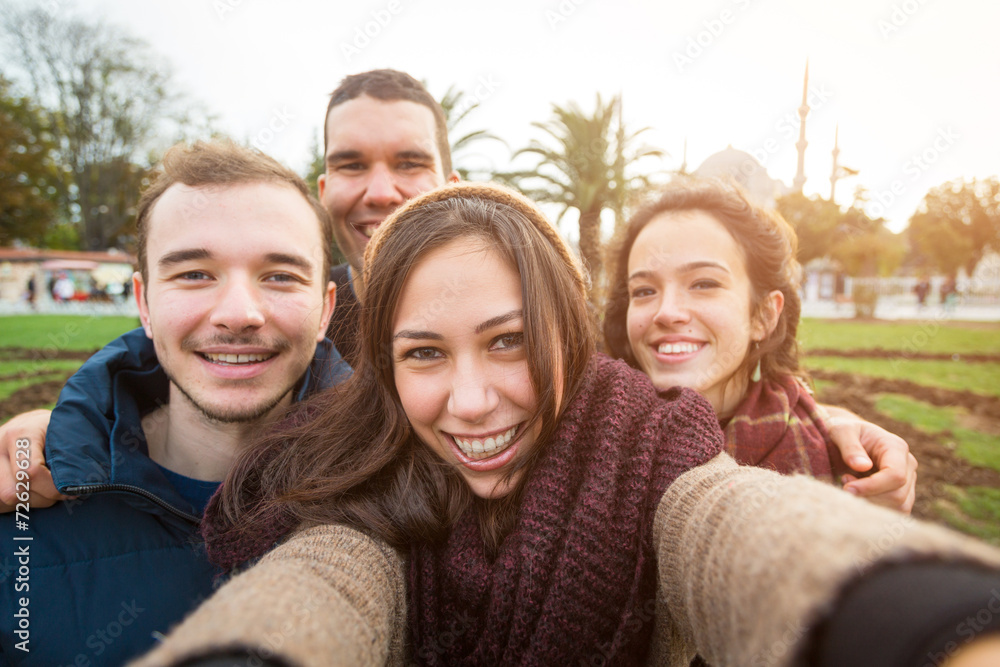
x=744, y=169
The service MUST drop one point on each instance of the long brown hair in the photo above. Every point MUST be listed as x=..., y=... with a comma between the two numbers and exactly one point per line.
x=350, y=456
x=769, y=246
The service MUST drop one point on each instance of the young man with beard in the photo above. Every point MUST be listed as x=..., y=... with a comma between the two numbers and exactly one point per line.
x=233, y=297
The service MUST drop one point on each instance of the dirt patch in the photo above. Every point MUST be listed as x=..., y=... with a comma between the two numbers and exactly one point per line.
x=879, y=353
x=32, y=397
x=862, y=385
x=47, y=354
x=938, y=464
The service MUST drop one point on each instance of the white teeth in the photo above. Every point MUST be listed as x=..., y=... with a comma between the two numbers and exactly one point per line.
x=236, y=358
x=477, y=449
x=367, y=230
x=678, y=348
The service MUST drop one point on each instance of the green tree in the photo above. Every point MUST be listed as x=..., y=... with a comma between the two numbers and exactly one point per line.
x=108, y=105
x=956, y=223
x=817, y=223
x=865, y=247
x=29, y=175
x=587, y=165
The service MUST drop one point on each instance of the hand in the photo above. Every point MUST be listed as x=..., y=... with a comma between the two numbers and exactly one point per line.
x=29, y=426
x=894, y=482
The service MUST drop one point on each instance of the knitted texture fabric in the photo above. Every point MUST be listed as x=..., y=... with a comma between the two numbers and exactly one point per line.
x=575, y=580
x=778, y=426
x=329, y=595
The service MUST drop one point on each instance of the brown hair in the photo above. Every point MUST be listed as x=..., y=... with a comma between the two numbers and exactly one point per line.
x=354, y=458
x=222, y=163
x=769, y=246
x=390, y=85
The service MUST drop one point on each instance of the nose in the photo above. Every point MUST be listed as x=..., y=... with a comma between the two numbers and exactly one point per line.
x=673, y=308
x=474, y=393
x=239, y=306
x=382, y=190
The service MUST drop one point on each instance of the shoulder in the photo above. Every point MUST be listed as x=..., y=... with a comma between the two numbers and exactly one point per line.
x=340, y=274
x=614, y=389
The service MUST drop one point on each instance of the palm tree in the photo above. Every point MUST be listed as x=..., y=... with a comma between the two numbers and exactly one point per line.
x=587, y=170
x=456, y=108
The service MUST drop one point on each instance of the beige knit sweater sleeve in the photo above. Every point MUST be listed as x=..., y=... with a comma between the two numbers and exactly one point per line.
x=330, y=595
x=748, y=560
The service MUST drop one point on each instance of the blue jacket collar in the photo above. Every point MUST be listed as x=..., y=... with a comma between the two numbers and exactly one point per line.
x=95, y=436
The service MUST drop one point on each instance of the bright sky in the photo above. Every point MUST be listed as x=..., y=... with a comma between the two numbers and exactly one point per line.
x=911, y=83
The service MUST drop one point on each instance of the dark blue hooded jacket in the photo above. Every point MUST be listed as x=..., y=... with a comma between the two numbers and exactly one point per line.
x=107, y=573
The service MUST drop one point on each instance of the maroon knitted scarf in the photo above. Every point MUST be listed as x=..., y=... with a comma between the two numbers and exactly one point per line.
x=575, y=580
x=778, y=426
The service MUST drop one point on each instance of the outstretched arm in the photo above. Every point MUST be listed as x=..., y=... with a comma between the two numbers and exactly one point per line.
x=330, y=595
x=21, y=437
x=893, y=484
x=750, y=561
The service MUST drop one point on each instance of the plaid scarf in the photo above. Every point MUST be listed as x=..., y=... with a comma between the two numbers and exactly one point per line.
x=574, y=582
x=779, y=426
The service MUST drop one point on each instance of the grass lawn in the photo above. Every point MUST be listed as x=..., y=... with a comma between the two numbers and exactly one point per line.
x=906, y=337
x=63, y=332
x=981, y=378
x=47, y=335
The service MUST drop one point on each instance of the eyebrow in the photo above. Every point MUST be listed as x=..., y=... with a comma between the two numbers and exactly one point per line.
x=350, y=154
x=498, y=320
x=690, y=266
x=292, y=260
x=179, y=256
x=191, y=254
x=480, y=328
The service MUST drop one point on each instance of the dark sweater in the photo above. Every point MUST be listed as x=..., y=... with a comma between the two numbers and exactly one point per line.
x=577, y=574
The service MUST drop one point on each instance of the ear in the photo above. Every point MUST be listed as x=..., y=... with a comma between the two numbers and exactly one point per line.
x=453, y=177
x=329, y=303
x=321, y=185
x=770, y=312
x=139, y=291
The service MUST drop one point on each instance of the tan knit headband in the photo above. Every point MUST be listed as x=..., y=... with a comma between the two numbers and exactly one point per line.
x=482, y=191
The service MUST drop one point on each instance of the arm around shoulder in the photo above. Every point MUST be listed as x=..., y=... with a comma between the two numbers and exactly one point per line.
x=330, y=595
x=749, y=560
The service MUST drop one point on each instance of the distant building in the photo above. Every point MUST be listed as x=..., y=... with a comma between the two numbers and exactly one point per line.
x=745, y=170
x=23, y=270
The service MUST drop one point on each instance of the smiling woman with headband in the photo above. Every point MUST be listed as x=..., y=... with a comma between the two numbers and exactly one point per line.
x=488, y=489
